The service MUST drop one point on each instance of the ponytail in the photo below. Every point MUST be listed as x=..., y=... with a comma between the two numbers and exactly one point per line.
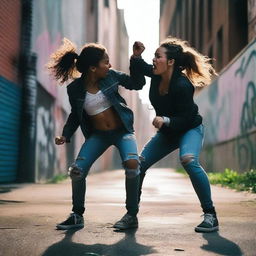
x=65, y=63
x=62, y=62
x=193, y=64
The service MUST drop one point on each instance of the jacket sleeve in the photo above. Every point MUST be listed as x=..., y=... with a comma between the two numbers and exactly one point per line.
x=134, y=81
x=72, y=122
x=184, y=107
x=140, y=66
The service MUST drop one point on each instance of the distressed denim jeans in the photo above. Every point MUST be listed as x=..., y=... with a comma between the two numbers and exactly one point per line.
x=92, y=149
x=190, y=145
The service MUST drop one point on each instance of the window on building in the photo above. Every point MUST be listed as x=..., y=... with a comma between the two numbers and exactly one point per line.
x=186, y=36
x=219, y=59
x=179, y=20
x=193, y=24
x=209, y=15
x=238, y=27
x=201, y=24
x=106, y=3
x=210, y=55
x=182, y=15
x=92, y=6
x=172, y=28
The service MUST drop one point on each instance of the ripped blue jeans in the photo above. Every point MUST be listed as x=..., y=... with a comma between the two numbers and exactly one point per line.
x=190, y=145
x=91, y=150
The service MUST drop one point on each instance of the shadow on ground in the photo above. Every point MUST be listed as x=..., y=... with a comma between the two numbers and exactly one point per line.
x=220, y=245
x=11, y=202
x=126, y=246
x=6, y=188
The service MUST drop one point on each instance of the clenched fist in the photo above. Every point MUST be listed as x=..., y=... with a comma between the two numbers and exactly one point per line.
x=158, y=122
x=138, y=48
x=59, y=140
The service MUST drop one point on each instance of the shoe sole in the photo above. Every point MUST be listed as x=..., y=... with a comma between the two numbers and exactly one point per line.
x=124, y=228
x=67, y=227
x=206, y=230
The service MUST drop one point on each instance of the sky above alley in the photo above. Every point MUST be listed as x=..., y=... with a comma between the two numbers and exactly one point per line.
x=142, y=23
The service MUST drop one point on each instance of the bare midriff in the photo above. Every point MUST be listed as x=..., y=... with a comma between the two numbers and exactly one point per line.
x=106, y=120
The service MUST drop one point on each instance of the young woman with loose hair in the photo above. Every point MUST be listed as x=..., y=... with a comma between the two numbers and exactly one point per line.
x=104, y=118
x=177, y=68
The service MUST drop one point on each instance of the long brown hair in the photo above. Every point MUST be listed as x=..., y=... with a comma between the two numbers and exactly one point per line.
x=193, y=64
x=65, y=63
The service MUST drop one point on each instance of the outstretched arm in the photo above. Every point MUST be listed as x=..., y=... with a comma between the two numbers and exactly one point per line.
x=136, y=80
x=138, y=69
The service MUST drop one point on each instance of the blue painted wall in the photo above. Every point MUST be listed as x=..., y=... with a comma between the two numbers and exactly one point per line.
x=10, y=113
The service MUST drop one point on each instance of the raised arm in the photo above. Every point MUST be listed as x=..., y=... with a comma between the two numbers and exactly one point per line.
x=134, y=81
x=138, y=63
x=141, y=66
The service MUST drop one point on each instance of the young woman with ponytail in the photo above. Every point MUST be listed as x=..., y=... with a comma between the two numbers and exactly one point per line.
x=104, y=118
x=177, y=69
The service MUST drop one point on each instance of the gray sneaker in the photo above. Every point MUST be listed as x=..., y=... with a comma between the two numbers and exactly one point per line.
x=209, y=224
x=73, y=221
x=126, y=222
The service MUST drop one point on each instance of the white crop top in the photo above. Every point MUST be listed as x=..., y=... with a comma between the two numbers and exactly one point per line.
x=96, y=103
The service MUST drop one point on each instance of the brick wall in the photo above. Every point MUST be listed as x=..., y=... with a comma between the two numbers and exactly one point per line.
x=252, y=19
x=10, y=23
x=217, y=28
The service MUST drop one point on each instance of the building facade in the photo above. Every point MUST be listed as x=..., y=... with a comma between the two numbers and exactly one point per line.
x=217, y=28
x=10, y=89
x=33, y=106
x=225, y=31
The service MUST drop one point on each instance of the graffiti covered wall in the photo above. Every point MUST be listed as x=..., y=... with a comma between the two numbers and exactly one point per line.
x=50, y=159
x=52, y=21
x=45, y=148
x=229, y=110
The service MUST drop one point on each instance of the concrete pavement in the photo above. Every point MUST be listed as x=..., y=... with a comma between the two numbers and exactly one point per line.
x=168, y=213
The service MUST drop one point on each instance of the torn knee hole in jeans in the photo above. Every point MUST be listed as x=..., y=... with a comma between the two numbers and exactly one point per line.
x=131, y=162
x=74, y=171
x=132, y=173
x=132, y=154
x=142, y=158
x=187, y=159
x=128, y=137
x=80, y=158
